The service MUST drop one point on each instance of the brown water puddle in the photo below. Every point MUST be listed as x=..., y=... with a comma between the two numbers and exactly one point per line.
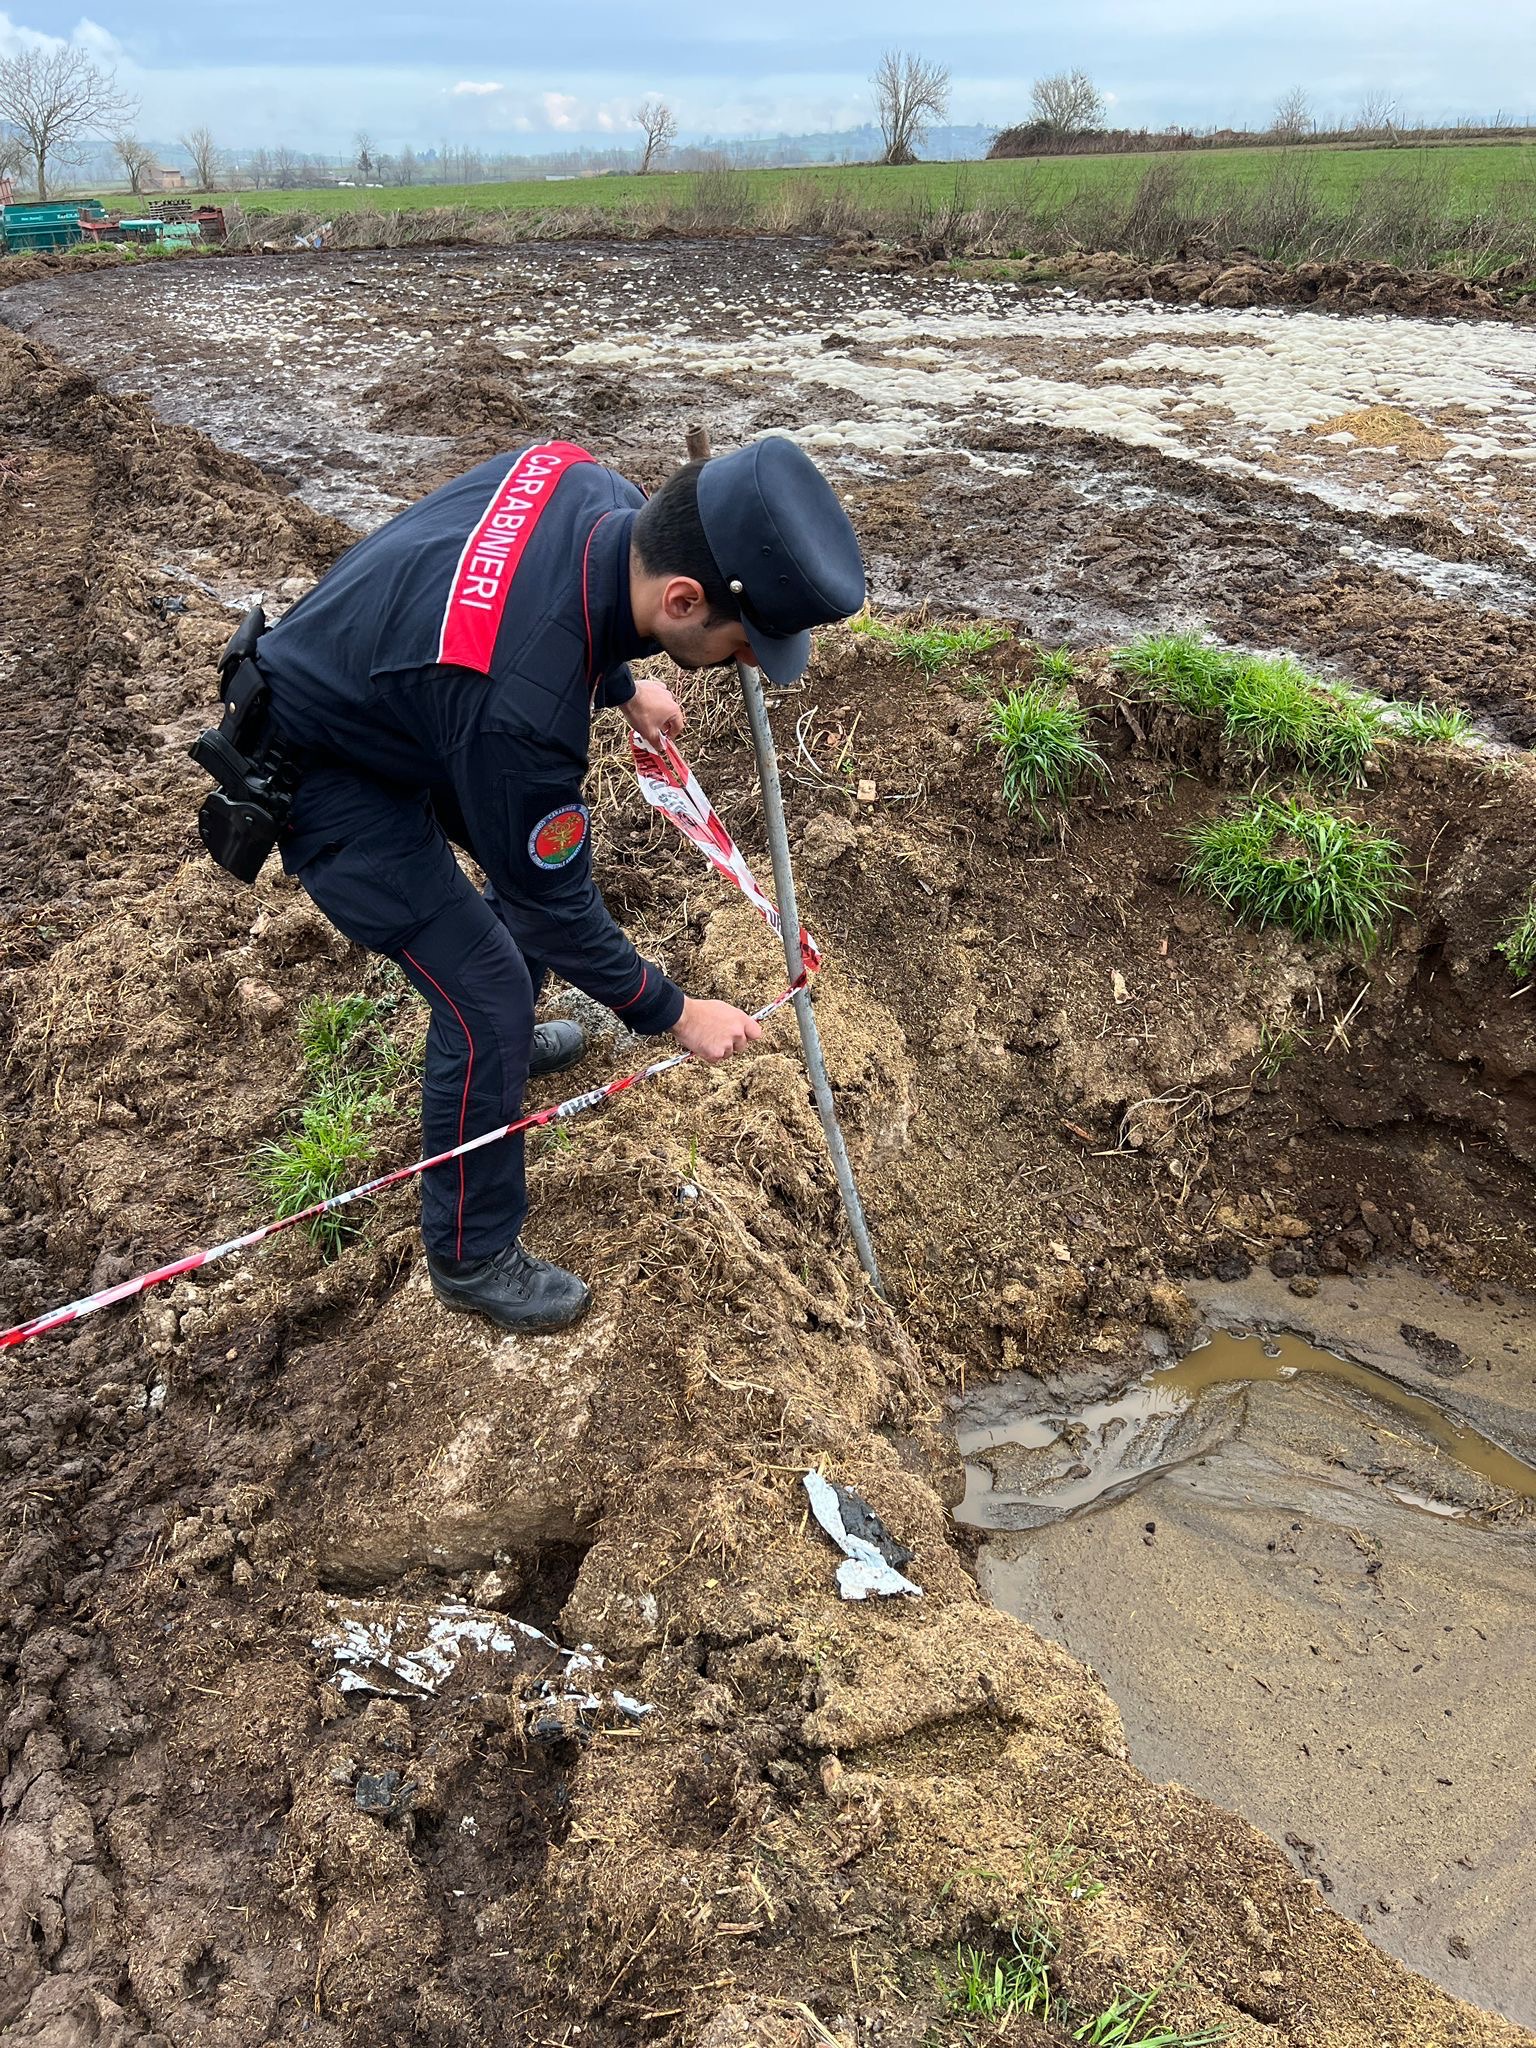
x=1307, y=1588
x=1043, y=1468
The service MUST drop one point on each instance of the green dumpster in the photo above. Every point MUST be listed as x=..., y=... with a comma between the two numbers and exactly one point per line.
x=55, y=224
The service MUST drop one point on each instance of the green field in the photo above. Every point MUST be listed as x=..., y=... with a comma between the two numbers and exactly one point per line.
x=1464, y=178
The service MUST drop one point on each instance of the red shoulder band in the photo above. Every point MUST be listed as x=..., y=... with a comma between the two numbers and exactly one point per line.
x=478, y=595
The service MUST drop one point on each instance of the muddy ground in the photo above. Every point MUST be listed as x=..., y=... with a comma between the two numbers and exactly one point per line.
x=1089, y=468
x=827, y=1797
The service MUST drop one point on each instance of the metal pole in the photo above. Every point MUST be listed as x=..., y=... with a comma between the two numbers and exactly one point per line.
x=789, y=918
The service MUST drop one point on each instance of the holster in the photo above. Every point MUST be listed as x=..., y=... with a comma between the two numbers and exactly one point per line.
x=241, y=820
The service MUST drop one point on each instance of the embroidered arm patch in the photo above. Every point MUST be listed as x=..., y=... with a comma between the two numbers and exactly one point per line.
x=558, y=837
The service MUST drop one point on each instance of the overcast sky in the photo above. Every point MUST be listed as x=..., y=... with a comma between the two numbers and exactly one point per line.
x=312, y=72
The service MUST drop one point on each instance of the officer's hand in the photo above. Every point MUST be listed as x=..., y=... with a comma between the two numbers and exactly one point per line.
x=713, y=1031
x=653, y=710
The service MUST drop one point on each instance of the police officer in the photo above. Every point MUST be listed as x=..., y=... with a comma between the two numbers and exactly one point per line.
x=438, y=685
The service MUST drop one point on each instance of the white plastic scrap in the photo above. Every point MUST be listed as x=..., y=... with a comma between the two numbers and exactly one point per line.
x=865, y=1570
x=421, y=1646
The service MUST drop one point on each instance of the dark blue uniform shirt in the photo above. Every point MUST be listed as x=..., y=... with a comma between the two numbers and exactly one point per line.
x=462, y=648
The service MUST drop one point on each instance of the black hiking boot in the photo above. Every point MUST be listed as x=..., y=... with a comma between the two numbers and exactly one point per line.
x=511, y=1289
x=555, y=1047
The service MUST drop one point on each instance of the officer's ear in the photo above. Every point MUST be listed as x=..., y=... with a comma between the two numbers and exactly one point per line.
x=682, y=601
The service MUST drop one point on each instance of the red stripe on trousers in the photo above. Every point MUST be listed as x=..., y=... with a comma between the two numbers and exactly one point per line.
x=458, y=1242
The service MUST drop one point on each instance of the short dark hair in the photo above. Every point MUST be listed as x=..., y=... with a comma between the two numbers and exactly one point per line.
x=669, y=539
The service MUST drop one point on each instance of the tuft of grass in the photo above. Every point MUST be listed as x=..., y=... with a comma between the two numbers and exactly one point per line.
x=1056, y=665
x=1125, y=2023
x=1518, y=944
x=1000, y=1987
x=330, y=1028
x=1277, y=1044
x=1433, y=724
x=1043, y=746
x=347, y=1039
x=1279, y=861
x=997, y=1987
x=1272, y=710
x=332, y=1147
x=354, y=1065
x=1187, y=670
x=931, y=647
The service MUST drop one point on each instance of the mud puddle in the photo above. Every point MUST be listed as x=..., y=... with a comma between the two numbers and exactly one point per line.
x=1306, y=1586
x=1034, y=1469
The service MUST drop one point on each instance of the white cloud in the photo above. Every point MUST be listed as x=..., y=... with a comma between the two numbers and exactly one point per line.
x=561, y=111
x=99, y=43
x=477, y=87
x=14, y=38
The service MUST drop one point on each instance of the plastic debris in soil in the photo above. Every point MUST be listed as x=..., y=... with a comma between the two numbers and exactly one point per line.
x=408, y=1650
x=384, y=1793
x=872, y=1555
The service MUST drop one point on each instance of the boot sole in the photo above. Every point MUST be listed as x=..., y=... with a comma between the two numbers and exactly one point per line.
x=535, y=1325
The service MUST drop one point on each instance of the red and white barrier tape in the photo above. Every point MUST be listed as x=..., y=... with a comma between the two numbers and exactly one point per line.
x=669, y=784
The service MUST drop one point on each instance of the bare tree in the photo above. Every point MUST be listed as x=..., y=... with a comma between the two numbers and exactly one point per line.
x=1293, y=115
x=55, y=99
x=285, y=168
x=658, y=124
x=204, y=152
x=910, y=94
x=407, y=169
x=1377, y=115
x=260, y=168
x=13, y=154
x=365, y=162
x=1067, y=103
x=136, y=158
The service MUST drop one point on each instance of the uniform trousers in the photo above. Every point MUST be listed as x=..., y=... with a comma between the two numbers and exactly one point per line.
x=378, y=860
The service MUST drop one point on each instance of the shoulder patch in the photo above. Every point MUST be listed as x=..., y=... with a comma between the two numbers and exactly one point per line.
x=558, y=836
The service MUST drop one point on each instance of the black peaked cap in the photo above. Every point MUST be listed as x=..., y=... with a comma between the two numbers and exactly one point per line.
x=776, y=530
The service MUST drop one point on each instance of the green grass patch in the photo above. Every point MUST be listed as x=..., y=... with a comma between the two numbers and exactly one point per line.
x=353, y=1065
x=1471, y=176
x=1002, y=1987
x=1189, y=672
x=1272, y=710
x=1056, y=665
x=1518, y=944
x=331, y=1148
x=1443, y=725
x=1043, y=748
x=1128, y=2022
x=993, y=1987
x=1276, y=860
x=931, y=647
x=347, y=1039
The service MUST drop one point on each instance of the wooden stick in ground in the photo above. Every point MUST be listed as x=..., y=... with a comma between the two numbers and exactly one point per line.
x=789, y=918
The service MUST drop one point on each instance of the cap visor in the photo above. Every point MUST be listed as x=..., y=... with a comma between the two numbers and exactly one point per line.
x=781, y=661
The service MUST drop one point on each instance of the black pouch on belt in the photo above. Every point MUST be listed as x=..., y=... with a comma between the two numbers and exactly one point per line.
x=240, y=821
